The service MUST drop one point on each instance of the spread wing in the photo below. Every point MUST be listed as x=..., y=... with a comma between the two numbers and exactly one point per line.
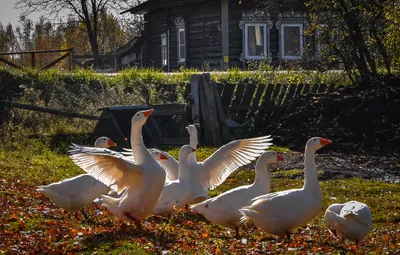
x=227, y=159
x=109, y=167
x=170, y=166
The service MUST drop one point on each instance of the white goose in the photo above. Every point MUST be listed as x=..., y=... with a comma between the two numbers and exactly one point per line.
x=280, y=212
x=352, y=220
x=171, y=166
x=74, y=193
x=213, y=171
x=177, y=193
x=224, y=208
x=193, y=141
x=143, y=179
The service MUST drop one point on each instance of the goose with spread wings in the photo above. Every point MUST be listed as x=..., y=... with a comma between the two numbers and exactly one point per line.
x=213, y=171
x=141, y=179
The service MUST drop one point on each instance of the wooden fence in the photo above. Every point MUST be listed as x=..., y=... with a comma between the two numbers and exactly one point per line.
x=68, y=53
x=214, y=104
x=243, y=101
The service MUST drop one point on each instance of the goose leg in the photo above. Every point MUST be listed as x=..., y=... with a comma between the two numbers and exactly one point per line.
x=84, y=215
x=137, y=222
x=187, y=207
x=237, y=232
x=288, y=235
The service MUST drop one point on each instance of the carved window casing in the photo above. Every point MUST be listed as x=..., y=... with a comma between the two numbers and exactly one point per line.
x=181, y=39
x=164, y=49
x=291, y=26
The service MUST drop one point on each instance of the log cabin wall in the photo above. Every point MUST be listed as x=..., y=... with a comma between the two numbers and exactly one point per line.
x=203, y=35
x=235, y=33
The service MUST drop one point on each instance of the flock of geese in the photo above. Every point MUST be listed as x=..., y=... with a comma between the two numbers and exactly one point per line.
x=136, y=183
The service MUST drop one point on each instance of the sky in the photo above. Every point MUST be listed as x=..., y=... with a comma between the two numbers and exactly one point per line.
x=9, y=14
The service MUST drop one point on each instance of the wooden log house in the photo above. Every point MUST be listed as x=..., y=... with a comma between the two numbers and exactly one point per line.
x=216, y=35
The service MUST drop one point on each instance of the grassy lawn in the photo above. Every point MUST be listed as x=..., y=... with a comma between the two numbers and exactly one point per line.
x=31, y=223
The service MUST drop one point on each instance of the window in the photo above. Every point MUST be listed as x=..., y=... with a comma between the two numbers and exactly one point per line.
x=291, y=41
x=164, y=50
x=255, y=41
x=181, y=45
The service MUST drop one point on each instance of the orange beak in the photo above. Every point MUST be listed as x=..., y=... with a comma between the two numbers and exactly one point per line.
x=147, y=113
x=279, y=158
x=193, y=150
x=162, y=156
x=324, y=141
x=126, y=139
x=111, y=143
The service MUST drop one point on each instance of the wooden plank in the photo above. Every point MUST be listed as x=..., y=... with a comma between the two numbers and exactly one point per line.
x=221, y=116
x=10, y=63
x=48, y=110
x=194, y=88
x=248, y=95
x=314, y=88
x=226, y=97
x=205, y=119
x=238, y=98
x=290, y=93
x=225, y=33
x=256, y=100
x=282, y=95
x=56, y=61
x=321, y=88
x=212, y=110
x=306, y=88
x=274, y=95
x=298, y=90
x=35, y=51
x=265, y=102
x=331, y=88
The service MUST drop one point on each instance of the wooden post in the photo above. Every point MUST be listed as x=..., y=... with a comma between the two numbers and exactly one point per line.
x=225, y=33
x=194, y=90
x=205, y=119
x=33, y=59
x=71, y=57
x=212, y=110
x=221, y=116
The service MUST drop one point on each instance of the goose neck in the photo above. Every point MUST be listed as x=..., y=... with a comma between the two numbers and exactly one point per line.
x=262, y=177
x=139, y=150
x=310, y=172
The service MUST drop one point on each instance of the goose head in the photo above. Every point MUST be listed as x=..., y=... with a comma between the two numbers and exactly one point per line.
x=104, y=142
x=185, y=151
x=269, y=157
x=329, y=222
x=158, y=155
x=192, y=130
x=316, y=143
x=141, y=117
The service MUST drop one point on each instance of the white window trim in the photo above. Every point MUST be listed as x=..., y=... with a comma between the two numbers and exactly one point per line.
x=166, y=52
x=288, y=57
x=246, y=48
x=180, y=59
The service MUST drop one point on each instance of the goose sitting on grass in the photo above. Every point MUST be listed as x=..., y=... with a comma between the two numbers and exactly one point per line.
x=224, y=208
x=74, y=193
x=351, y=220
x=279, y=213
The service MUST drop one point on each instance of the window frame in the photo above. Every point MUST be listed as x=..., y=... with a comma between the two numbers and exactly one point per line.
x=164, y=46
x=265, y=40
x=179, y=30
x=282, y=40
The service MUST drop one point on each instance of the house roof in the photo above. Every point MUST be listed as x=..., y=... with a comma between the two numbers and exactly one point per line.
x=141, y=8
x=150, y=5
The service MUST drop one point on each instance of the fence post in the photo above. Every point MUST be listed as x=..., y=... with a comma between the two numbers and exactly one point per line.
x=194, y=90
x=33, y=59
x=71, y=62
